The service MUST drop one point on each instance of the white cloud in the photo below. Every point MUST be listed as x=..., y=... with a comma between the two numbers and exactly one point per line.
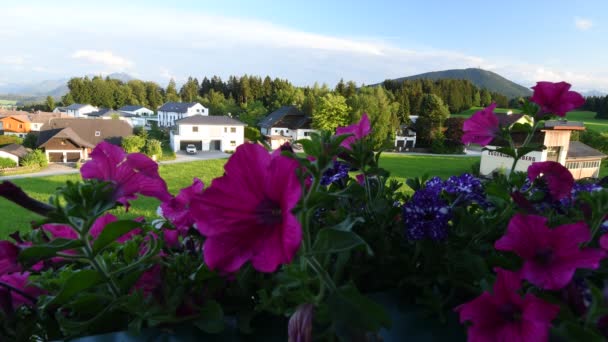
x=12, y=60
x=582, y=24
x=106, y=58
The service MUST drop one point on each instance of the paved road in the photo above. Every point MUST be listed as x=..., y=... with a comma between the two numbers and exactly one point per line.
x=63, y=169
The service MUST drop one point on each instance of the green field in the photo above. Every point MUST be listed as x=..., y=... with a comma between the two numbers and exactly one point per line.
x=600, y=125
x=8, y=102
x=180, y=175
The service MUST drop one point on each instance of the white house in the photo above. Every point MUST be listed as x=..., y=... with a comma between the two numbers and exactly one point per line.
x=137, y=110
x=108, y=114
x=285, y=124
x=208, y=133
x=60, y=110
x=582, y=160
x=78, y=110
x=170, y=112
x=14, y=152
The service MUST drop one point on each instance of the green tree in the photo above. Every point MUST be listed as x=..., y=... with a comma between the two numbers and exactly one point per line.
x=331, y=112
x=486, y=98
x=171, y=92
x=254, y=111
x=477, y=99
x=67, y=99
x=153, y=147
x=380, y=108
x=50, y=103
x=433, y=112
x=30, y=140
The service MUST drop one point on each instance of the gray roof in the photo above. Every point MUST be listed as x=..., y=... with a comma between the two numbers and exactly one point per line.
x=578, y=150
x=16, y=150
x=210, y=120
x=177, y=107
x=110, y=130
x=76, y=106
x=110, y=112
x=273, y=118
x=131, y=108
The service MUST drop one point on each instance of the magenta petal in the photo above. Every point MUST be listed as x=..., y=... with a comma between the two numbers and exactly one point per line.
x=358, y=130
x=100, y=224
x=227, y=252
x=558, y=178
x=8, y=257
x=524, y=234
x=556, y=98
x=482, y=127
x=604, y=241
x=60, y=231
x=20, y=281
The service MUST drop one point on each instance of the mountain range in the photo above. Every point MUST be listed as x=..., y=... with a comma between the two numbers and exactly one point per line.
x=55, y=88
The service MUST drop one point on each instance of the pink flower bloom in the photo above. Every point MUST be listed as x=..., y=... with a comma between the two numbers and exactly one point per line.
x=559, y=180
x=177, y=209
x=300, y=324
x=67, y=232
x=505, y=316
x=359, y=131
x=131, y=173
x=20, y=282
x=246, y=214
x=556, y=98
x=8, y=257
x=604, y=242
x=551, y=256
x=171, y=237
x=149, y=281
x=360, y=179
x=482, y=127
x=60, y=231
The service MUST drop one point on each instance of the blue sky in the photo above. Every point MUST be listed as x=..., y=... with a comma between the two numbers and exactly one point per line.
x=305, y=41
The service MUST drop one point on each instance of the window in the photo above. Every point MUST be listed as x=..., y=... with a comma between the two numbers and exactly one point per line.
x=225, y=129
x=97, y=133
x=63, y=142
x=194, y=128
x=20, y=125
x=198, y=110
x=553, y=153
x=232, y=129
x=306, y=134
x=232, y=143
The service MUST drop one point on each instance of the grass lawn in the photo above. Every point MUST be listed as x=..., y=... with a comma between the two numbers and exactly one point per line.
x=8, y=102
x=180, y=175
x=600, y=125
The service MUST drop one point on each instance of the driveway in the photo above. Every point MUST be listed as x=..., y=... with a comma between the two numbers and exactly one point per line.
x=183, y=157
x=63, y=169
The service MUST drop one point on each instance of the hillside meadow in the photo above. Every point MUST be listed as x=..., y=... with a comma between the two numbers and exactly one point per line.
x=180, y=175
x=599, y=125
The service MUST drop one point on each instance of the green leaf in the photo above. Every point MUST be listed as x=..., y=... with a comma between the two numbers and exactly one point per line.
x=571, y=331
x=349, y=308
x=331, y=240
x=211, y=318
x=76, y=283
x=113, y=231
x=348, y=223
x=43, y=251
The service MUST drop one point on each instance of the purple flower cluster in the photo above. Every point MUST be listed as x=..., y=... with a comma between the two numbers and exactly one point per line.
x=335, y=174
x=427, y=214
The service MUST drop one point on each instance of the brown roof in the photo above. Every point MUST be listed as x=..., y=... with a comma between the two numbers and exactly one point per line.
x=16, y=150
x=45, y=117
x=109, y=130
x=564, y=125
x=6, y=112
x=68, y=133
x=19, y=117
x=578, y=150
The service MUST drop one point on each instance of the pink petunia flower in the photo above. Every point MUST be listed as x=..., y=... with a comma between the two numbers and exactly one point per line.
x=149, y=281
x=482, y=127
x=9, y=253
x=556, y=98
x=358, y=131
x=558, y=178
x=246, y=214
x=131, y=173
x=300, y=324
x=604, y=241
x=551, y=256
x=67, y=232
x=176, y=210
x=20, y=281
x=505, y=315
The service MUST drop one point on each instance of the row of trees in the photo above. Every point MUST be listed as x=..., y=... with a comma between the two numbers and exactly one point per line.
x=598, y=104
x=250, y=98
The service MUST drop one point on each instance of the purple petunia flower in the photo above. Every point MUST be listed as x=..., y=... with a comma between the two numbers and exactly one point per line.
x=335, y=174
x=468, y=187
x=556, y=98
x=426, y=216
x=482, y=127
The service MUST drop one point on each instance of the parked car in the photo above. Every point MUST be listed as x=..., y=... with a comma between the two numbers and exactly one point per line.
x=191, y=149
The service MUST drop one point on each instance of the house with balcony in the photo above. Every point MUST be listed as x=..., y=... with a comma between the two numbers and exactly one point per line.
x=170, y=112
x=286, y=124
x=78, y=110
x=207, y=133
x=581, y=160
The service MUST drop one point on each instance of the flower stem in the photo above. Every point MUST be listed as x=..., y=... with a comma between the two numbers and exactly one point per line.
x=326, y=280
x=92, y=259
x=19, y=291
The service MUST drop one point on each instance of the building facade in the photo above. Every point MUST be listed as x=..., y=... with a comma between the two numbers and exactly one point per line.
x=208, y=133
x=170, y=112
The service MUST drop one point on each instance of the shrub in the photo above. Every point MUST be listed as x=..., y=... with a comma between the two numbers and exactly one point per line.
x=30, y=140
x=10, y=139
x=153, y=148
x=441, y=145
x=454, y=128
x=7, y=162
x=252, y=133
x=133, y=143
x=597, y=140
x=35, y=158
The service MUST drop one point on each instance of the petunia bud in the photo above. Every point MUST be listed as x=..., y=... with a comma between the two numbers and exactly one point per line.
x=300, y=324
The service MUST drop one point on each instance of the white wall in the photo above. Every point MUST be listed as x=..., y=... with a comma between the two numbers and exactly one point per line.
x=9, y=156
x=167, y=119
x=206, y=133
x=81, y=112
x=35, y=126
x=493, y=161
x=301, y=133
x=141, y=111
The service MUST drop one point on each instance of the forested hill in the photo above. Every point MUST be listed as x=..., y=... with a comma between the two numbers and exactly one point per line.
x=480, y=78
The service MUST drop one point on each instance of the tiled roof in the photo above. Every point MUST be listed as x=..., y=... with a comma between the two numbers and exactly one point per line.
x=15, y=149
x=131, y=108
x=110, y=130
x=210, y=120
x=273, y=118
